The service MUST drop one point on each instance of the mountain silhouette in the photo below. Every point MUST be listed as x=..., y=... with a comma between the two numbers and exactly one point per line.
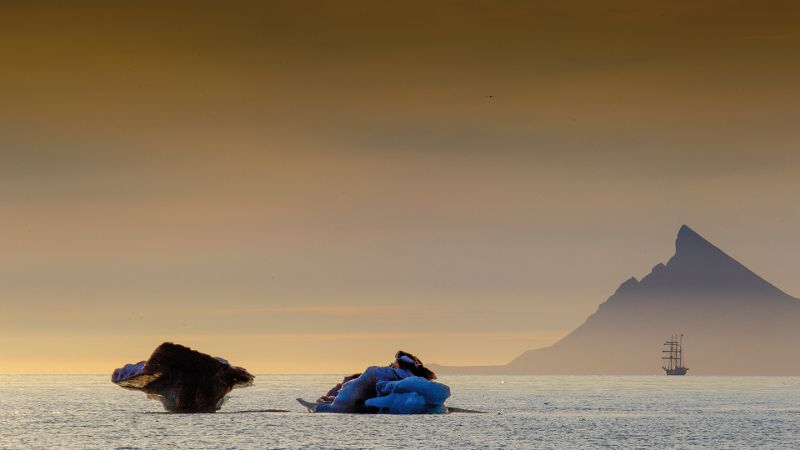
x=734, y=322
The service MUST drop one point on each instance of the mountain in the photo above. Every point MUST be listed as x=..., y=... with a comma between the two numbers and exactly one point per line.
x=734, y=323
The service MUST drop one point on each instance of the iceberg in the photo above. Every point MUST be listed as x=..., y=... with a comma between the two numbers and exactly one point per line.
x=412, y=395
x=403, y=387
x=127, y=372
x=184, y=380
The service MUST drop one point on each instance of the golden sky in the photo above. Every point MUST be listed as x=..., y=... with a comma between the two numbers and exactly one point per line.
x=309, y=186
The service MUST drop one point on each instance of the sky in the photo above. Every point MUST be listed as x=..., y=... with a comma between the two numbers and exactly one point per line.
x=307, y=187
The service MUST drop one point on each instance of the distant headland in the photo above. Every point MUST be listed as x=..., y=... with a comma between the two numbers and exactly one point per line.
x=735, y=322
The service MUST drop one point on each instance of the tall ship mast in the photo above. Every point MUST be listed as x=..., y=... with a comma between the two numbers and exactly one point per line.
x=673, y=356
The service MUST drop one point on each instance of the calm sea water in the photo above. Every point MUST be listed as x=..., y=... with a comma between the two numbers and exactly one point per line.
x=521, y=412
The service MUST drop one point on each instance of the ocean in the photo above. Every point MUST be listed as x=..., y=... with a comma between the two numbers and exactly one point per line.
x=87, y=411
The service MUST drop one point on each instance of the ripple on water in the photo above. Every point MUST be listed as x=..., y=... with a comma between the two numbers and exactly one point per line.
x=534, y=411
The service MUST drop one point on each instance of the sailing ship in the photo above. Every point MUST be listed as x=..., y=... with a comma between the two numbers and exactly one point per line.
x=673, y=358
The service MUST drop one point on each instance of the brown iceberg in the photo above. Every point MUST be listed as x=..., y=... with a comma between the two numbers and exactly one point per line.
x=183, y=379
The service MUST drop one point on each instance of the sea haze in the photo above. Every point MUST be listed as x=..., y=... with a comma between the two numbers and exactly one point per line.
x=82, y=411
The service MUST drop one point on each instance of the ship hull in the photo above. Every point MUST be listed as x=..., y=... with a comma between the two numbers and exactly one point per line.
x=677, y=371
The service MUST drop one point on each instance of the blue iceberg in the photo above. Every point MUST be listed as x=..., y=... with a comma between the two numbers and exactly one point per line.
x=403, y=387
x=412, y=395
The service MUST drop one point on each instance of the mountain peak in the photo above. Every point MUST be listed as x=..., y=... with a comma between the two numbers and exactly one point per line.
x=685, y=229
x=688, y=239
x=700, y=291
x=700, y=266
x=690, y=244
x=695, y=250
